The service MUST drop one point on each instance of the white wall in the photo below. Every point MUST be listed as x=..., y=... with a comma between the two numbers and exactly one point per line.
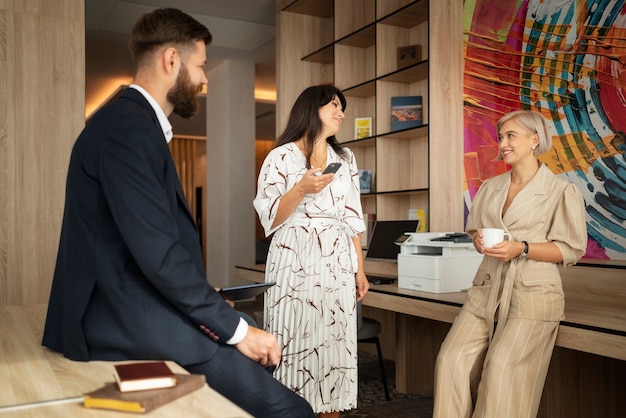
x=230, y=182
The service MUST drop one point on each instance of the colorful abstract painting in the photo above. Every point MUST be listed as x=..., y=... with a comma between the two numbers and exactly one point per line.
x=566, y=59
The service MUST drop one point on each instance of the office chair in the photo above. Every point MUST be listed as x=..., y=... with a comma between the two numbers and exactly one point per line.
x=367, y=332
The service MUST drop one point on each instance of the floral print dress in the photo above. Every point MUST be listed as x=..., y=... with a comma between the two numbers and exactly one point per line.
x=312, y=308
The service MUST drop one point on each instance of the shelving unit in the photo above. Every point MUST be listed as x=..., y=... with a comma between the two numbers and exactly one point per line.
x=353, y=44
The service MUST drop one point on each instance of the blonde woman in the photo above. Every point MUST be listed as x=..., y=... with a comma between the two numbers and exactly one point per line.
x=493, y=371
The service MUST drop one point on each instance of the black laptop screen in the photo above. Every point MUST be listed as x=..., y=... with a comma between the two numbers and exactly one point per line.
x=382, y=244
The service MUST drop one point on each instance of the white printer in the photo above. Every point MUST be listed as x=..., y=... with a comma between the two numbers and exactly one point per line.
x=437, y=262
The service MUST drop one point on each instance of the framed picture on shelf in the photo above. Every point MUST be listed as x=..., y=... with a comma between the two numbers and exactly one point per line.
x=406, y=112
x=408, y=55
x=365, y=180
x=362, y=127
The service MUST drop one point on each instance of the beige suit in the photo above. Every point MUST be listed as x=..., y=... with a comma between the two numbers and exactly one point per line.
x=510, y=365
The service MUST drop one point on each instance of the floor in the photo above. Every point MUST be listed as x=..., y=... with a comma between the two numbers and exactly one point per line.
x=371, y=400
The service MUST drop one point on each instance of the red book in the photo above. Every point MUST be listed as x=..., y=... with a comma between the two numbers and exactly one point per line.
x=109, y=397
x=144, y=375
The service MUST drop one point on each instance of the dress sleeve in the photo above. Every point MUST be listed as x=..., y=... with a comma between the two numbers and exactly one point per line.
x=569, y=228
x=353, y=216
x=271, y=187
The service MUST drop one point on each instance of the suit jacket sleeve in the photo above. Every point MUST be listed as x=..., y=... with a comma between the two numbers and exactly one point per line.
x=139, y=181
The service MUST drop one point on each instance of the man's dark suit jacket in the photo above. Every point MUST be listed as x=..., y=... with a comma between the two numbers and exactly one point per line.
x=129, y=280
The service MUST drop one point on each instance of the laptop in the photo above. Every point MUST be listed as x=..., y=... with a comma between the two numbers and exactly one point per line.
x=382, y=245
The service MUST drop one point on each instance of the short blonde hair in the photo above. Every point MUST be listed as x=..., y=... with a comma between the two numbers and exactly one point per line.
x=534, y=122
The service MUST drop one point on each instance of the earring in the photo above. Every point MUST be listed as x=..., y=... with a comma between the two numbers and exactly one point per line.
x=533, y=147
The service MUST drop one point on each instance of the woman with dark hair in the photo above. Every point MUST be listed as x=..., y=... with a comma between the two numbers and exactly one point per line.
x=315, y=256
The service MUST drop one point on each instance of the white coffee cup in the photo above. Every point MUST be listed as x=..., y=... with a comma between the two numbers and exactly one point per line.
x=493, y=236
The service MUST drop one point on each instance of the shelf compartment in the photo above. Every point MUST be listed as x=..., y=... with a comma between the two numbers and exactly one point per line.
x=317, y=49
x=411, y=74
x=368, y=204
x=418, y=132
x=357, y=107
x=324, y=55
x=366, y=160
x=408, y=16
x=402, y=164
x=366, y=89
x=360, y=143
x=358, y=64
x=395, y=206
x=353, y=15
x=386, y=90
x=319, y=8
x=363, y=38
x=390, y=37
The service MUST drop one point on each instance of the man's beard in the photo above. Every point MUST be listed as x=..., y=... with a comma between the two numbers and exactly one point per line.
x=184, y=95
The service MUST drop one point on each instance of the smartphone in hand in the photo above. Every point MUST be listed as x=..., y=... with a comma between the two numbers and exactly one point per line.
x=332, y=168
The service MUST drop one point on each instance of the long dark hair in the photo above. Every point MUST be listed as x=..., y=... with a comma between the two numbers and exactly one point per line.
x=304, y=119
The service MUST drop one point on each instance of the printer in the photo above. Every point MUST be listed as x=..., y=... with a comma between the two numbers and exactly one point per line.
x=437, y=262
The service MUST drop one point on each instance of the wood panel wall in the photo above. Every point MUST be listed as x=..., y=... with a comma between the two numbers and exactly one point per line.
x=42, y=105
x=184, y=153
x=445, y=57
x=292, y=74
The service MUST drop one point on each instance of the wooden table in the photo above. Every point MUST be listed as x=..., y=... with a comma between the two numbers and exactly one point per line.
x=587, y=375
x=32, y=373
x=595, y=305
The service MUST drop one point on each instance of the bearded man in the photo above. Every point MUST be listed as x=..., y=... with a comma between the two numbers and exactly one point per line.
x=129, y=282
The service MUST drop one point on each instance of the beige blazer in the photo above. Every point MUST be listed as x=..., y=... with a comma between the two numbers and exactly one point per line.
x=548, y=209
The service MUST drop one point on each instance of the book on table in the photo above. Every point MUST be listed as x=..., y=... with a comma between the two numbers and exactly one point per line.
x=144, y=375
x=110, y=397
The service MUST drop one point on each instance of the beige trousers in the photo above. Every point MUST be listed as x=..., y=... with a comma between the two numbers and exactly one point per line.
x=502, y=378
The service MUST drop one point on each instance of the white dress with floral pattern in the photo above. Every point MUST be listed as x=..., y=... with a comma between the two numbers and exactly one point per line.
x=312, y=308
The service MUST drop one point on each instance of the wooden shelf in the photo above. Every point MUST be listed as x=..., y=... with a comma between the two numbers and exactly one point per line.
x=408, y=16
x=410, y=74
x=403, y=192
x=319, y=8
x=420, y=131
x=367, y=89
x=361, y=59
x=370, y=141
x=324, y=55
x=362, y=38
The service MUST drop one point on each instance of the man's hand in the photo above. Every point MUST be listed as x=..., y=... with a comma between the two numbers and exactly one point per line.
x=260, y=346
x=229, y=301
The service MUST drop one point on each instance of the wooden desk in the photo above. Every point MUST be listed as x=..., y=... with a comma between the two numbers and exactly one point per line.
x=587, y=376
x=595, y=305
x=32, y=373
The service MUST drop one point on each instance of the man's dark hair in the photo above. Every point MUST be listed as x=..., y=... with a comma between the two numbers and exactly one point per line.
x=165, y=26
